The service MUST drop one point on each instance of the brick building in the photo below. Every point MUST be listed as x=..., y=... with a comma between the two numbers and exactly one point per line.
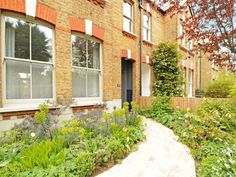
x=91, y=51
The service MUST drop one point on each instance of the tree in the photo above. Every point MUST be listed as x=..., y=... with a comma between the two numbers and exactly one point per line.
x=41, y=48
x=168, y=75
x=211, y=26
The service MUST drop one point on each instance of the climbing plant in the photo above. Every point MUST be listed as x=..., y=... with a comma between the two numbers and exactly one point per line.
x=168, y=74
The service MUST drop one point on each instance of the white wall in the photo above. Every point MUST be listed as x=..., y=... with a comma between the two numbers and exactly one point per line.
x=146, y=80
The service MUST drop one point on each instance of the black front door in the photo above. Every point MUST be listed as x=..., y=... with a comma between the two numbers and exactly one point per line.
x=127, y=81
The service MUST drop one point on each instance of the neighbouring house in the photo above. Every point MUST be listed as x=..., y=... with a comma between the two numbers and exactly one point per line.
x=88, y=51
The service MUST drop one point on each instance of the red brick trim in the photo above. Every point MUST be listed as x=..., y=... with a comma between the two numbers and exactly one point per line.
x=77, y=24
x=13, y=5
x=145, y=7
x=20, y=114
x=145, y=61
x=124, y=54
x=98, y=32
x=100, y=3
x=148, y=43
x=43, y=12
x=88, y=107
x=129, y=35
x=46, y=13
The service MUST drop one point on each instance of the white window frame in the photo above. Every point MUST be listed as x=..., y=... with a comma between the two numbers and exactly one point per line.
x=190, y=83
x=26, y=102
x=190, y=44
x=147, y=28
x=130, y=19
x=181, y=33
x=88, y=100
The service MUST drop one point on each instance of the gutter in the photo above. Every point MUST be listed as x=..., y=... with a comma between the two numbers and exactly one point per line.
x=140, y=46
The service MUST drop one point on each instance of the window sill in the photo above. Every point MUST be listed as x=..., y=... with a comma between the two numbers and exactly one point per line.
x=129, y=35
x=147, y=43
x=82, y=104
x=22, y=107
x=86, y=102
x=185, y=49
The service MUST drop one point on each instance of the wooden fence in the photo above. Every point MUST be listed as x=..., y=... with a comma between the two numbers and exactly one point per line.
x=182, y=103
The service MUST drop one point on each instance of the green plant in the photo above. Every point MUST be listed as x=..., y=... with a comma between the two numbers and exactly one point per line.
x=77, y=146
x=168, y=75
x=209, y=133
x=232, y=91
x=85, y=164
x=160, y=107
x=116, y=149
x=41, y=115
x=199, y=93
x=220, y=88
x=44, y=154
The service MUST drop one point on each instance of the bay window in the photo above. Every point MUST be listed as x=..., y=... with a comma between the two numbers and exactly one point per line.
x=128, y=17
x=86, y=73
x=28, y=60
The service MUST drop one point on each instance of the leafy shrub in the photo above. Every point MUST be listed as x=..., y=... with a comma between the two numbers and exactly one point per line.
x=168, y=75
x=220, y=88
x=232, y=91
x=199, y=93
x=85, y=164
x=161, y=106
x=40, y=147
x=116, y=149
x=210, y=134
x=41, y=116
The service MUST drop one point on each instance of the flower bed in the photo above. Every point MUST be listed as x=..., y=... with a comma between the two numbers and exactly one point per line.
x=209, y=133
x=45, y=147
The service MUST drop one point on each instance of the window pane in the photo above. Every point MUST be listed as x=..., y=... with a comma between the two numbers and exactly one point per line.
x=41, y=43
x=145, y=34
x=42, y=81
x=93, y=83
x=127, y=25
x=78, y=83
x=127, y=10
x=78, y=51
x=146, y=21
x=16, y=38
x=93, y=55
x=17, y=80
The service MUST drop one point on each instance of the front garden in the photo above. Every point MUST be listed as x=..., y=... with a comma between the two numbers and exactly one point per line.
x=209, y=133
x=83, y=146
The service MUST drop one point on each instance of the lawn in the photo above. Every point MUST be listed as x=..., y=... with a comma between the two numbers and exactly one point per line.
x=79, y=147
x=210, y=133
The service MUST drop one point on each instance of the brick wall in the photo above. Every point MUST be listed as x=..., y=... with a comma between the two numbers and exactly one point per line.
x=107, y=17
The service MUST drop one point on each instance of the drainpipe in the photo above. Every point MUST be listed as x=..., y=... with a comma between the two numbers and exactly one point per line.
x=140, y=46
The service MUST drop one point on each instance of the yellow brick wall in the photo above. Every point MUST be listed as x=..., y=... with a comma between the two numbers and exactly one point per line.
x=110, y=18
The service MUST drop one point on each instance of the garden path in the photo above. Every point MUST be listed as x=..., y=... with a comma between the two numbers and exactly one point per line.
x=159, y=156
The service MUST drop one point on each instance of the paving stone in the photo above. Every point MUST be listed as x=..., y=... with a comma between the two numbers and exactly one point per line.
x=159, y=156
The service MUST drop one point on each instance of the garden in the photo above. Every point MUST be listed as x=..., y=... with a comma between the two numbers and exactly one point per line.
x=83, y=146
x=209, y=133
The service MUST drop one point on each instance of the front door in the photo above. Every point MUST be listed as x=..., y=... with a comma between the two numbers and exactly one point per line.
x=127, y=81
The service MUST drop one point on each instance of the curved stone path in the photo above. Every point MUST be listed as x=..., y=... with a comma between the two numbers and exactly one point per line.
x=159, y=156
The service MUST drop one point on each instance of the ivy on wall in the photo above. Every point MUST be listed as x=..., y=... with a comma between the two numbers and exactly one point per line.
x=168, y=74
